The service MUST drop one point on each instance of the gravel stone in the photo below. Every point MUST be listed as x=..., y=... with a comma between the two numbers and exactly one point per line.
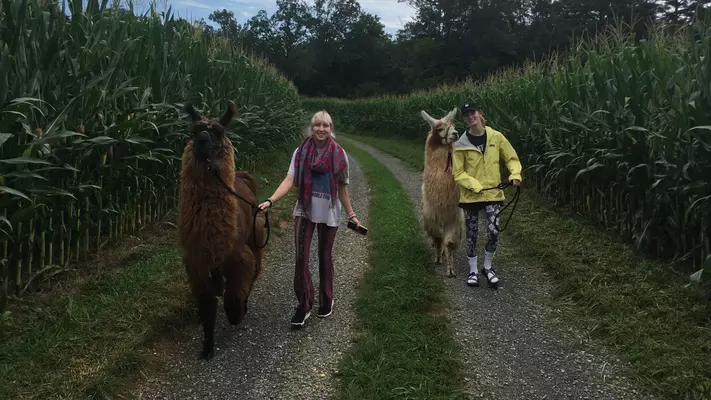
x=513, y=344
x=263, y=357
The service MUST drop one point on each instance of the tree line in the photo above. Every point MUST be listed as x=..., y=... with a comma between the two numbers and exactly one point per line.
x=334, y=48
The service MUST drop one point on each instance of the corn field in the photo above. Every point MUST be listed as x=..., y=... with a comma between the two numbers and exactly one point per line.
x=618, y=130
x=91, y=126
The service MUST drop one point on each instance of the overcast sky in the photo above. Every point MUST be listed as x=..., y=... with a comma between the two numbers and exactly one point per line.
x=392, y=14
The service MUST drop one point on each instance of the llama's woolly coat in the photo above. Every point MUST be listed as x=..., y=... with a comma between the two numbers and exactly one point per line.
x=219, y=237
x=216, y=228
x=441, y=214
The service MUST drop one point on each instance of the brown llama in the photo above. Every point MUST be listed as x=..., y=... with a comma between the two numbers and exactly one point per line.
x=218, y=234
x=442, y=218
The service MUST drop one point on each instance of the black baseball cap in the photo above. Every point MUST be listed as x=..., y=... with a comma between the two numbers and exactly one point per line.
x=469, y=107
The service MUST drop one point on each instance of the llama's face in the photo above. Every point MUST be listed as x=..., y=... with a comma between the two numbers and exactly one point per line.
x=209, y=140
x=443, y=128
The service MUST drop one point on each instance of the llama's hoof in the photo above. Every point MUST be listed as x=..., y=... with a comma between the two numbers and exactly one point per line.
x=208, y=350
x=451, y=273
x=207, y=353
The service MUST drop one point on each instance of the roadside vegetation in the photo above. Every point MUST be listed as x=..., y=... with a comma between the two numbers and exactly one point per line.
x=90, y=336
x=405, y=348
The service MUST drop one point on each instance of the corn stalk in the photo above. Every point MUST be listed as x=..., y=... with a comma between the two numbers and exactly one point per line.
x=91, y=127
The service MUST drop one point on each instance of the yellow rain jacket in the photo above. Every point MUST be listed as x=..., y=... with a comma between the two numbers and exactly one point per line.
x=474, y=171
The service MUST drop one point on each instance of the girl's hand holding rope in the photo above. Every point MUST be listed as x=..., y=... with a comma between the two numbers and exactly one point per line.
x=265, y=205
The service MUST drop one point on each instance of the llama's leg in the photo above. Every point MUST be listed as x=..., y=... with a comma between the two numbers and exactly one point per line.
x=207, y=305
x=201, y=288
x=449, y=256
x=326, y=237
x=239, y=276
x=437, y=244
x=303, y=287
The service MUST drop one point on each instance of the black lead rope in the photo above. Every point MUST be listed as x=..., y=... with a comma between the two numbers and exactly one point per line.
x=513, y=201
x=256, y=212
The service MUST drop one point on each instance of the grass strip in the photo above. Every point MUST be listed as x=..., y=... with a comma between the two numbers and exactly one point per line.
x=80, y=344
x=406, y=350
x=89, y=340
x=635, y=305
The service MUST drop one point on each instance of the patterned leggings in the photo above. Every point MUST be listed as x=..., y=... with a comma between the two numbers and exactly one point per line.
x=471, y=218
x=303, y=287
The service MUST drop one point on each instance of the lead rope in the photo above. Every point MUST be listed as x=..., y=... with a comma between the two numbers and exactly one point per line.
x=256, y=212
x=501, y=186
x=513, y=201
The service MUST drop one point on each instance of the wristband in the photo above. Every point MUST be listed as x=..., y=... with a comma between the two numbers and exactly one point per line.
x=271, y=202
x=351, y=214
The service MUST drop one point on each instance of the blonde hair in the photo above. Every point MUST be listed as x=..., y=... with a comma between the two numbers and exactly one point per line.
x=323, y=116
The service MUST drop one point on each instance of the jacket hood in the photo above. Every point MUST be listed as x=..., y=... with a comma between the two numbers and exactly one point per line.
x=463, y=141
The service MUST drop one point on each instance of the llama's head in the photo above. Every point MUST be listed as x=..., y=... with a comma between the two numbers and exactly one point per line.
x=443, y=128
x=210, y=145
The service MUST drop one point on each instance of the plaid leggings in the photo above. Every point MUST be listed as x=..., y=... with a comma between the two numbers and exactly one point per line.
x=471, y=219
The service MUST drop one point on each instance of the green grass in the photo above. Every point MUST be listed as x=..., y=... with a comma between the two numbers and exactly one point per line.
x=635, y=305
x=405, y=349
x=75, y=346
x=89, y=340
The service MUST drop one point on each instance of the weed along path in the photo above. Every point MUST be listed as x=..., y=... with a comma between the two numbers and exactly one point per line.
x=263, y=358
x=512, y=344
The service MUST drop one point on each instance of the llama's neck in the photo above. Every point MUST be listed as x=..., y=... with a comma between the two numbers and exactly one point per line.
x=439, y=189
x=209, y=212
x=211, y=187
x=437, y=153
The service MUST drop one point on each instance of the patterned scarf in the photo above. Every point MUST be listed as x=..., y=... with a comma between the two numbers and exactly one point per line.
x=331, y=160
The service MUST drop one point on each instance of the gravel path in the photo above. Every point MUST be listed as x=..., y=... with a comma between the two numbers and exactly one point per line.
x=513, y=344
x=263, y=358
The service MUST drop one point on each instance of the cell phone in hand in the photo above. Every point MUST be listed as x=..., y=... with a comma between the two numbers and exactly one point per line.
x=362, y=230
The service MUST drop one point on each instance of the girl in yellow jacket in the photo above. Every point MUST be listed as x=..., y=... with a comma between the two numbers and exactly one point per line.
x=476, y=159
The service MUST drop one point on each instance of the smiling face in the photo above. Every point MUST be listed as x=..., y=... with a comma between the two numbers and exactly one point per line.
x=321, y=126
x=473, y=118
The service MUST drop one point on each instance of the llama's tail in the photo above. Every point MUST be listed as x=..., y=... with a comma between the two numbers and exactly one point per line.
x=248, y=178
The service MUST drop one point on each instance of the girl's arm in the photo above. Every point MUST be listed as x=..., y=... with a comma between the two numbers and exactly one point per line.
x=280, y=192
x=509, y=156
x=345, y=198
x=460, y=176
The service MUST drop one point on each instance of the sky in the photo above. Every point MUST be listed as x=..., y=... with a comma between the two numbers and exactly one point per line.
x=392, y=14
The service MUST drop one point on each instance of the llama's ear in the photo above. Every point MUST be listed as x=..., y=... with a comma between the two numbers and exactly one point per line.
x=428, y=118
x=230, y=112
x=194, y=115
x=451, y=115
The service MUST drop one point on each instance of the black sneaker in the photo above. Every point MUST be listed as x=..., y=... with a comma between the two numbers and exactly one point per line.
x=300, y=317
x=325, y=310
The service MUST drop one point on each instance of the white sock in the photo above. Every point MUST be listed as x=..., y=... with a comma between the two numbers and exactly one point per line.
x=472, y=264
x=488, y=257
